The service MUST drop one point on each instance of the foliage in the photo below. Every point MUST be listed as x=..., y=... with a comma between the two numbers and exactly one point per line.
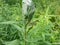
x=44, y=28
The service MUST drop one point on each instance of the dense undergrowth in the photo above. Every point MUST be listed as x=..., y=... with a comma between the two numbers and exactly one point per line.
x=44, y=28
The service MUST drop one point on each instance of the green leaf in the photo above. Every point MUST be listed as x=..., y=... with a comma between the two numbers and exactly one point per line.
x=14, y=42
x=8, y=22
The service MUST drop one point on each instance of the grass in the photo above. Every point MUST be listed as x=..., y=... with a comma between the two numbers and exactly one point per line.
x=44, y=28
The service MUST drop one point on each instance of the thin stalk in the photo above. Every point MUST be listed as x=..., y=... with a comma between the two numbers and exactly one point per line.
x=24, y=23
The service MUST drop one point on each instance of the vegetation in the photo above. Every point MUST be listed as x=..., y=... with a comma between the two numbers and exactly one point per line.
x=44, y=28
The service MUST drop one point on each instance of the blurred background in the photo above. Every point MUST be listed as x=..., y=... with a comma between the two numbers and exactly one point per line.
x=44, y=28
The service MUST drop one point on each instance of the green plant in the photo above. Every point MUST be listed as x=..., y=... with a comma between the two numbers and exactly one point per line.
x=44, y=28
